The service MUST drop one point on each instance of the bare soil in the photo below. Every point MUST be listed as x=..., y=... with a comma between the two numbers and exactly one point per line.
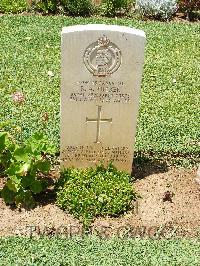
x=169, y=206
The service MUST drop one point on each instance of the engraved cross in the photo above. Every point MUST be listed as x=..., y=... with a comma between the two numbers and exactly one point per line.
x=98, y=120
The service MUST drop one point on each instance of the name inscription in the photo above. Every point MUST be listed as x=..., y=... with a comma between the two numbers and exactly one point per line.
x=100, y=91
x=93, y=154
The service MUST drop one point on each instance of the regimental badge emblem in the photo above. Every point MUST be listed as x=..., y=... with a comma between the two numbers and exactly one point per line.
x=102, y=58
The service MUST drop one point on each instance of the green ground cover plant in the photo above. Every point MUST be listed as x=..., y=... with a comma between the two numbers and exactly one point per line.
x=79, y=7
x=13, y=6
x=45, y=6
x=95, y=251
x=95, y=192
x=114, y=7
x=70, y=7
x=169, y=121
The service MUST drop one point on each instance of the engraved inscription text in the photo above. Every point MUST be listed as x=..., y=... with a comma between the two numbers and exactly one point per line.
x=100, y=91
x=92, y=153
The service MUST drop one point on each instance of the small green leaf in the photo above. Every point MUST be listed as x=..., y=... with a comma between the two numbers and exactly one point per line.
x=25, y=168
x=43, y=166
x=4, y=124
x=13, y=170
x=36, y=186
x=51, y=149
x=12, y=186
x=38, y=136
x=11, y=146
x=2, y=141
x=39, y=143
x=18, y=169
x=27, y=181
x=29, y=201
x=25, y=198
x=8, y=195
x=14, y=183
x=21, y=155
x=5, y=158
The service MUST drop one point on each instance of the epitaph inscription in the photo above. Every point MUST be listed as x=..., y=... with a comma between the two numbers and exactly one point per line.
x=95, y=154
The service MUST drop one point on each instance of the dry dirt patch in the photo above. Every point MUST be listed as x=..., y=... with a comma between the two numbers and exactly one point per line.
x=170, y=200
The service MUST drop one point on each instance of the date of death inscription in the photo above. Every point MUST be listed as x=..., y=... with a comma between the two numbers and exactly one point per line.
x=100, y=91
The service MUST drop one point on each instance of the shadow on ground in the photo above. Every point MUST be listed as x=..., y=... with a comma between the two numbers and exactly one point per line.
x=144, y=166
x=150, y=162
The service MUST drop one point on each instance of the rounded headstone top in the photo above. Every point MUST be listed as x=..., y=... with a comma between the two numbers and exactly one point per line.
x=104, y=27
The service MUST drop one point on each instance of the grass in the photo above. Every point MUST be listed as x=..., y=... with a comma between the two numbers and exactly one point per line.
x=169, y=121
x=94, y=251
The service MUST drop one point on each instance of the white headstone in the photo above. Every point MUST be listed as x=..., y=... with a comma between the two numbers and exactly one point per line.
x=101, y=76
